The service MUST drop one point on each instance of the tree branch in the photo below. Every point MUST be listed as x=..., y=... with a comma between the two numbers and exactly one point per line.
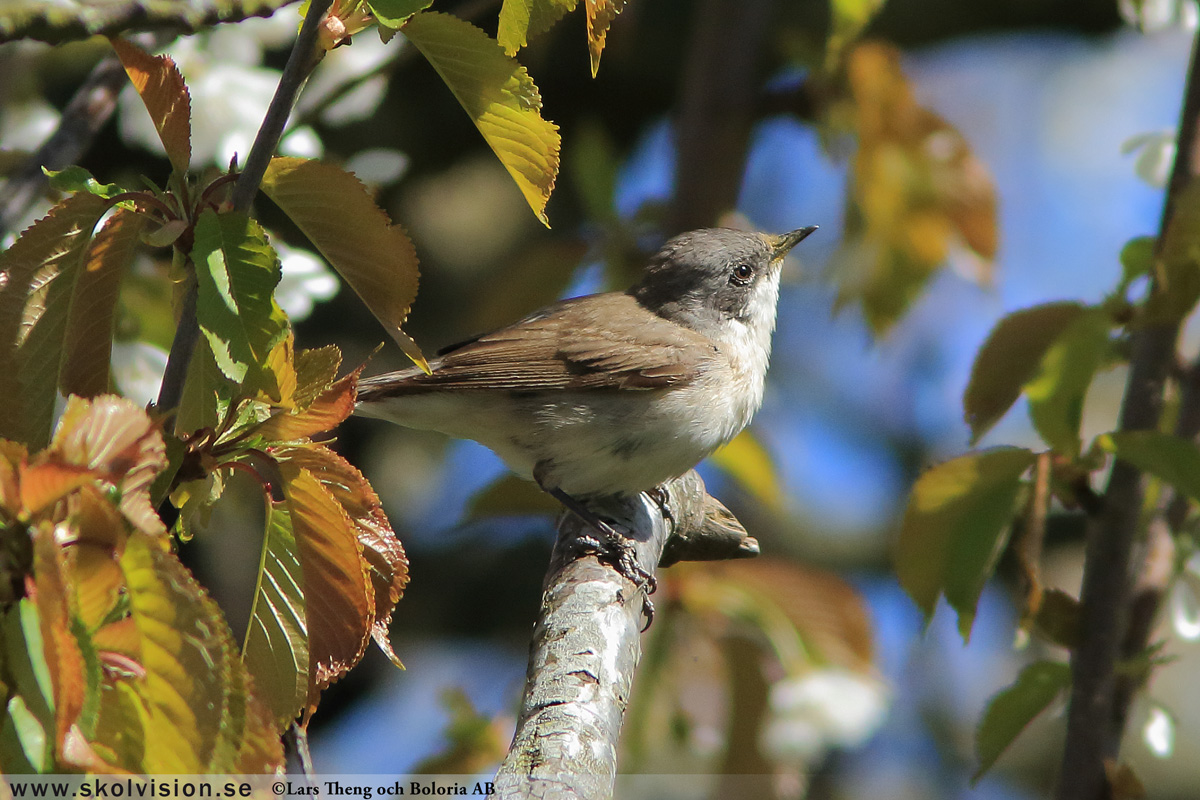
x=1095, y=722
x=587, y=644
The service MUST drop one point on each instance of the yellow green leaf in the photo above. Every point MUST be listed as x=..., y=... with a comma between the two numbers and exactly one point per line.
x=749, y=463
x=316, y=370
x=1170, y=459
x=40, y=271
x=338, y=215
x=956, y=526
x=1010, y=358
x=30, y=711
x=186, y=652
x=1013, y=708
x=1057, y=391
x=276, y=649
x=521, y=20
x=87, y=355
x=499, y=96
x=393, y=13
x=849, y=18
x=165, y=95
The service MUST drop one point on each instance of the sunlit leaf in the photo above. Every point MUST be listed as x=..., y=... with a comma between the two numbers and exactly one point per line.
x=46, y=482
x=1170, y=459
x=600, y=14
x=1056, y=392
x=393, y=13
x=339, y=602
x=77, y=179
x=39, y=273
x=499, y=96
x=749, y=463
x=316, y=370
x=849, y=18
x=186, y=651
x=162, y=90
x=338, y=215
x=1010, y=358
x=112, y=435
x=325, y=413
x=276, y=649
x=87, y=356
x=521, y=20
x=382, y=554
x=237, y=271
x=956, y=526
x=1010, y=711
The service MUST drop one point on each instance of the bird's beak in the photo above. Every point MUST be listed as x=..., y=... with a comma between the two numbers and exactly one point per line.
x=780, y=245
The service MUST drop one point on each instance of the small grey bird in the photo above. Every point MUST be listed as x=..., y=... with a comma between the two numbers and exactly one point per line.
x=611, y=393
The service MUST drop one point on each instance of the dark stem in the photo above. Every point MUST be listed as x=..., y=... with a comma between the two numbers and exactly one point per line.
x=300, y=63
x=1095, y=723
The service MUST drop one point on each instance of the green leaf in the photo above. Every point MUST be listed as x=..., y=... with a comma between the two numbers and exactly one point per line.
x=206, y=393
x=338, y=215
x=1177, y=273
x=87, y=346
x=393, y=13
x=40, y=269
x=166, y=98
x=237, y=271
x=187, y=653
x=77, y=179
x=521, y=20
x=1170, y=459
x=1010, y=358
x=1137, y=258
x=1056, y=393
x=1011, y=710
x=276, y=649
x=31, y=707
x=499, y=96
x=956, y=526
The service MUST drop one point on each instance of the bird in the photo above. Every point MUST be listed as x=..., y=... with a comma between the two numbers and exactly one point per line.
x=613, y=393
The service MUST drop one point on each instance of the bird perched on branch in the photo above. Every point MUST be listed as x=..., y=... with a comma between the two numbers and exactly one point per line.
x=611, y=393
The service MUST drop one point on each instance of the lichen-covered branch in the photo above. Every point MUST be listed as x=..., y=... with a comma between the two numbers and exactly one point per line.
x=587, y=642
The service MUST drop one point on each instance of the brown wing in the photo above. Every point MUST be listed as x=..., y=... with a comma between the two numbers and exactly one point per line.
x=606, y=341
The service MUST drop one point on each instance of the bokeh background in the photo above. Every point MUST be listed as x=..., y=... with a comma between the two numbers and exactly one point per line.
x=811, y=666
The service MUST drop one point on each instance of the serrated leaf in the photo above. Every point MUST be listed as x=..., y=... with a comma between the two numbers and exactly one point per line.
x=39, y=272
x=393, y=13
x=338, y=215
x=1009, y=358
x=1057, y=390
x=87, y=355
x=956, y=526
x=77, y=179
x=165, y=96
x=600, y=14
x=382, y=554
x=237, y=271
x=521, y=20
x=325, y=413
x=316, y=370
x=187, y=653
x=1012, y=709
x=499, y=96
x=339, y=602
x=1166, y=457
x=749, y=463
x=276, y=649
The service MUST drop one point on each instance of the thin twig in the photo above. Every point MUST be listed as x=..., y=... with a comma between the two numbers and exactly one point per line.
x=1094, y=723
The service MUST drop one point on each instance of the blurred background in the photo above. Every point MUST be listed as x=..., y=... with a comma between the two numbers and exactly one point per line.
x=1039, y=136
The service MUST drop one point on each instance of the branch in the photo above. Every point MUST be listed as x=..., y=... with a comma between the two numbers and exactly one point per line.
x=1095, y=722
x=587, y=644
x=303, y=58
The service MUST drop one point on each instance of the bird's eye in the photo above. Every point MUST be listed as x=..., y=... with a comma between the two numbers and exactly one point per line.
x=741, y=274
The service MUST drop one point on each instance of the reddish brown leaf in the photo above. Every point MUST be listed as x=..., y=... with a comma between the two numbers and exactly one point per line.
x=46, y=483
x=87, y=354
x=339, y=601
x=382, y=552
x=60, y=649
x=162, y=89
x=325, y=413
